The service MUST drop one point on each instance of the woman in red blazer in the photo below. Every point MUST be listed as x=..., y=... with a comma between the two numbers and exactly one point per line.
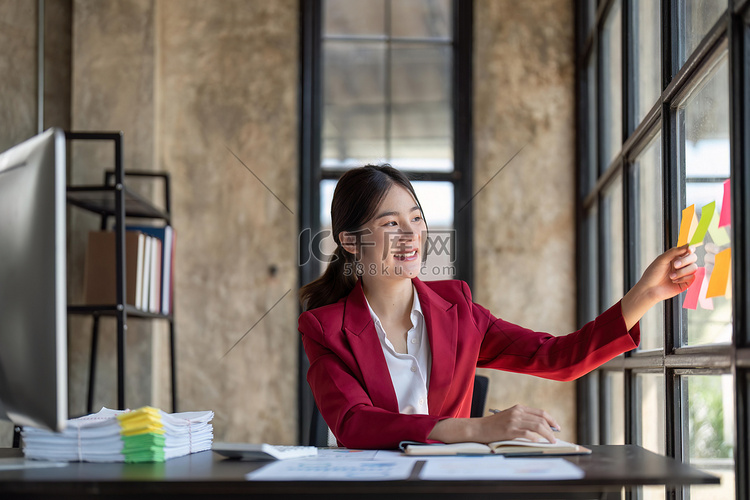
x=379, y=230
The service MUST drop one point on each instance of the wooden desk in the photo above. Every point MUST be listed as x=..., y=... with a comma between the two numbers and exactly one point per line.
x=207, y=475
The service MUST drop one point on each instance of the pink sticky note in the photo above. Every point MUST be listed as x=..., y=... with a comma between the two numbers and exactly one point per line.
x=726, y=207
x=694, y=291
x=705, y=302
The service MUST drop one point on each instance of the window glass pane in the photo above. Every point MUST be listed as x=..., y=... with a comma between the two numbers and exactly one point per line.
x=651, y=411
x=650, y=419
x=436, y=199
x=705, y=115
x=421, y=18
x=322, y=243
x=647, y=28
x=697, y=17
x=649, y=233
x=614, y=408
x=354, y=106
x=612, y=84
x=354, y=17
x=422, y=119
x=612, y=241
x=592, y=267
x=591, y=128
x=710, y=440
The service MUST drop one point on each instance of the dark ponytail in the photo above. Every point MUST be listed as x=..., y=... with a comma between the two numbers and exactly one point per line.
x=355, y=200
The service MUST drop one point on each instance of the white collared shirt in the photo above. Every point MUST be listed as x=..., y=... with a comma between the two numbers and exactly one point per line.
x=410, y=372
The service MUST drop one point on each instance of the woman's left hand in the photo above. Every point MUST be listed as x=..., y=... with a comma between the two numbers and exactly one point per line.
x=669, y=274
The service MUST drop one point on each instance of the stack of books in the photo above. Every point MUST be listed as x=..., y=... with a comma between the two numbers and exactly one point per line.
x=143, y=435
x=149, y=261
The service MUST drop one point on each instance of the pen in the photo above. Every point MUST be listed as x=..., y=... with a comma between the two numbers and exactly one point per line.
x=553, y=429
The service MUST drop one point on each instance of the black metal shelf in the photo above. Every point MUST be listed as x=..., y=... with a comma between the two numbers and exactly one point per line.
x=114, y=199
x=101, y=200
x=112, y=310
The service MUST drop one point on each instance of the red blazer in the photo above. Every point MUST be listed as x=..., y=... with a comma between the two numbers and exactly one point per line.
x=353, y=389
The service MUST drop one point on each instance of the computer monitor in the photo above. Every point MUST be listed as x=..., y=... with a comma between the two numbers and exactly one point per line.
x=33, y=303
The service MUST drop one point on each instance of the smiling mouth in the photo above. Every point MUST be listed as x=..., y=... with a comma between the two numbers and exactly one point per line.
x=405, y=256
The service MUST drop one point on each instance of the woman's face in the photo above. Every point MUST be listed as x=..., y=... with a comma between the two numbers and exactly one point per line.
x=391, y=242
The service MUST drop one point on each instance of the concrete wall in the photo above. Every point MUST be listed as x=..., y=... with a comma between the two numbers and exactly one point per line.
x=189, y=83
x=524, y=228
x=228, y=86
x=18, y=74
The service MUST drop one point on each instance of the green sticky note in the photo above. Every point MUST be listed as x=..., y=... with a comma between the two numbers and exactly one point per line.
x=718, y=234
x=707, y=215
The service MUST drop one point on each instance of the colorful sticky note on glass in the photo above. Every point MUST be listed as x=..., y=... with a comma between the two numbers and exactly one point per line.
x=718, y=234
x=726, y=206
x=705, y=302
x=694, y=290
x=707, y=215
x=717, y=286
x=688, y=226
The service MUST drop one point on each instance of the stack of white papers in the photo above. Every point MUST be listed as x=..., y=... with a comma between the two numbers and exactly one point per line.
x=143, y=435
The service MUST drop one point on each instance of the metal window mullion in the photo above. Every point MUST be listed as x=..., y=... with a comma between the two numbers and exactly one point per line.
x=627, y=120
x=741, y=450
x=629, y=70
x=605, y=412
x=388, y=83
x=668, y=43
x=385, y=38
x=739, y=109
x=310, y=112
x=603, y=391
x=674, y=422
x=586, y=387
x=462, y=83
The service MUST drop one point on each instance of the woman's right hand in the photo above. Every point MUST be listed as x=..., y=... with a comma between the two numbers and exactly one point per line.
x=520, y=422
x=516, y=422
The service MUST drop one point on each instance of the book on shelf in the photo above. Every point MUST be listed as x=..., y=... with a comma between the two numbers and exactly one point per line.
x=514, y=447
x=166, y=237
x=148, y=268
x=100, y=283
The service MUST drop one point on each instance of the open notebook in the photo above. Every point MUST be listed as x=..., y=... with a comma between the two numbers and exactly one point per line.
x=515, y=447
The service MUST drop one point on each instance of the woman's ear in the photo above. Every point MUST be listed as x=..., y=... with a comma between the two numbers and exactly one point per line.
x=348, y=242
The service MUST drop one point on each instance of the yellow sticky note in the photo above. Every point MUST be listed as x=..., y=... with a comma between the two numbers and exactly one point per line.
x=707, y=215
x=688, y=226
x=720, y=275
x=728, y=295
x=142, y=430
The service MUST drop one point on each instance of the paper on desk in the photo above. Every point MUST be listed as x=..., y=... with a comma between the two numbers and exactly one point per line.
x=345, y=454
x=355, y=454
x=316, y=469
x=490, y=468
x=17, y=463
